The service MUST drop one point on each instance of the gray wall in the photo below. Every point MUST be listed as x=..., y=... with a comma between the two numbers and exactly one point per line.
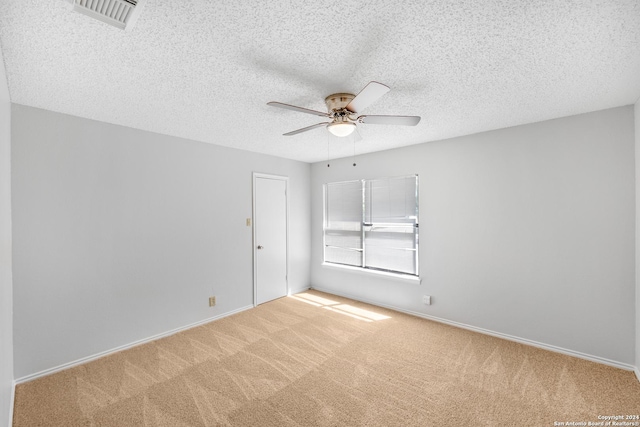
x=637, y=134
x=6, y=289
x=526, y=231
x=121, y=234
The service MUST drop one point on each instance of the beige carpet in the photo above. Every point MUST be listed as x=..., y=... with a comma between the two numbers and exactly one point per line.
x=317, y=359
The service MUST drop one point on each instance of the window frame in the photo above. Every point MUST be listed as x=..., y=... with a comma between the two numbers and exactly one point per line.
x=365, y=227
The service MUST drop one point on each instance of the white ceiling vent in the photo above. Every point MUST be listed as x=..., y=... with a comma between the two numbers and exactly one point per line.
x=119, y=13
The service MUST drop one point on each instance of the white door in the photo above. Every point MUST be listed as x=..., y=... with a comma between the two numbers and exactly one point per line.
x=270, y=243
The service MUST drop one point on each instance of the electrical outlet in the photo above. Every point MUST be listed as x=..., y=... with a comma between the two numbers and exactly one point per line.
x=212, y=301
x=426, y=299
x=248, y=222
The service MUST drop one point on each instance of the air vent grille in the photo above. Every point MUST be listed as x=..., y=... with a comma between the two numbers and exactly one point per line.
x=114, y=12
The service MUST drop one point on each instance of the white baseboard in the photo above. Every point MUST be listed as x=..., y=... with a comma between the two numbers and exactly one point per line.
x=124, y=347
x=637, y=372
x=12, y=400
x=543, y=346
x=297, y=291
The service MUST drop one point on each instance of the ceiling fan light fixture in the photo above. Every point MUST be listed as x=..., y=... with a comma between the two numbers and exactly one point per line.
x=341, y=129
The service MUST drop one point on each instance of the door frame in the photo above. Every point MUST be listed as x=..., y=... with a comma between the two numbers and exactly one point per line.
x=257, y=175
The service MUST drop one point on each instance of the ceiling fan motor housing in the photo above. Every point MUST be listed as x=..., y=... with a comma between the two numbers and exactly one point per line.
x=338, y=101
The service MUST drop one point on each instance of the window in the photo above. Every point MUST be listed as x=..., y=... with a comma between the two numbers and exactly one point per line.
x=372, y=224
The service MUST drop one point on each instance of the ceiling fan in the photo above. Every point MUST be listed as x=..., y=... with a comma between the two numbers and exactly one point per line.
x=344, y=108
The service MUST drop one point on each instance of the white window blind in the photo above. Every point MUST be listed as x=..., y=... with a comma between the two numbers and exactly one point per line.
x=373, y=224
x=343, y=223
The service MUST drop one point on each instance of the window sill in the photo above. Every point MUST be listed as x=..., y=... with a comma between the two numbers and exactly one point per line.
x=394, y=276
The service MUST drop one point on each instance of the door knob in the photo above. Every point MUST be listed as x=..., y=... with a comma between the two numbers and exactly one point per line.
x=260, y=247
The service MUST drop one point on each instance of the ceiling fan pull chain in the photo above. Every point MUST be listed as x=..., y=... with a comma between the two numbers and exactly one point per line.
x=353, y=138
x=328, y=158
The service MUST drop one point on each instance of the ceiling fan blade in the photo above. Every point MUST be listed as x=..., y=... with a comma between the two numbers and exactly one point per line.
x=295, y=132
x=300, y=109
x=367, y=96
x=390, y=120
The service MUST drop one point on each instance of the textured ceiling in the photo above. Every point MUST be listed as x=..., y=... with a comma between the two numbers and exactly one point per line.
x=204, y=70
